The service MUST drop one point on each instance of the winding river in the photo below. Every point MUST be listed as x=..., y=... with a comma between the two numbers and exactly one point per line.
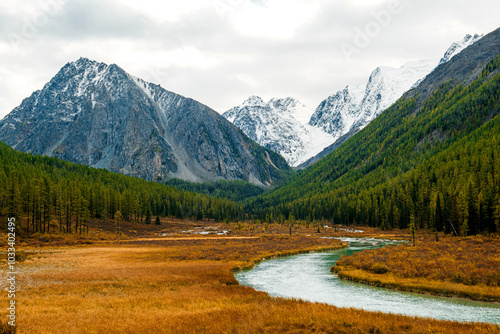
x=308, y=277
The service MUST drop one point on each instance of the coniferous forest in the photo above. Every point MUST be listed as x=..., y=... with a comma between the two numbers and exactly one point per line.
x=44, y=189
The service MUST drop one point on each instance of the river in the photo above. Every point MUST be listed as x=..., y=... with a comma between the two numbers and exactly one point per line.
x=308, y=277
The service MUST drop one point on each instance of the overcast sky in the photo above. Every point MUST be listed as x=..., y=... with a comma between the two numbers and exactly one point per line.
x=221, y=51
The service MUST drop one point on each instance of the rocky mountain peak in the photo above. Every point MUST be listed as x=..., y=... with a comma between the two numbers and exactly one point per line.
x=253, y=100
x=99, y=115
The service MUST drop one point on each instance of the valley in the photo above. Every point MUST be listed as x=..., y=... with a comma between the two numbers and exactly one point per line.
x=132, y=284
x=129, y=208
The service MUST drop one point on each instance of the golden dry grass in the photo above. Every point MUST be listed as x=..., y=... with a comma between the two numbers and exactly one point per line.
x=462, y=267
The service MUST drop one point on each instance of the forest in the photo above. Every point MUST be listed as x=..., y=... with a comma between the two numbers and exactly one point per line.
x=234, y=190
x=44, y=189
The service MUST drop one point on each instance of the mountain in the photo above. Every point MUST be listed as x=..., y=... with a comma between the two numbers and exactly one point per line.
x=299, y=134
x=358, y=106
x=98, y=115
x=432, y=158
x=280, y=125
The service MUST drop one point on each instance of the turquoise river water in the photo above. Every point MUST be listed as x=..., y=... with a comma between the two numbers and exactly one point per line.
x=308, y=277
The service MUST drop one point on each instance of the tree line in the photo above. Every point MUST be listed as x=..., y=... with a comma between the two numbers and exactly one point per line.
x=44, y=190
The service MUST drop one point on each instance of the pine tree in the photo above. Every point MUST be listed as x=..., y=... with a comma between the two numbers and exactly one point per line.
x=473, y=223
x=148, y=215
x=439, y=215
x=412, y=228
x=464, y=228
x=47, y=204
x=118, y=218
x=497, y=213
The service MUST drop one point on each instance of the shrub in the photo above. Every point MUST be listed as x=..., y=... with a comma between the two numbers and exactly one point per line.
x=379, y=268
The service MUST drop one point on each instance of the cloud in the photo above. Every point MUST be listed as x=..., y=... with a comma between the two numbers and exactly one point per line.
x=278, y=19
x=219, y=52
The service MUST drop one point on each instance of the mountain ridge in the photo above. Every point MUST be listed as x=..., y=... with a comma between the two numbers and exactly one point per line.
x=339, y=115
x=99, y=115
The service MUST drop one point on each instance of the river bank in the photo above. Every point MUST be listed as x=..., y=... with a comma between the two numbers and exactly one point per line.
x=451, y=267
x=307, y=277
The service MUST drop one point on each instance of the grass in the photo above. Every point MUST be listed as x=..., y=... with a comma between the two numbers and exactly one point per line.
x=455, y=267
x=182, y=284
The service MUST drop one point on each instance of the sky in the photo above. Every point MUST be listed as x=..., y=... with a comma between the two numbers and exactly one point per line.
x=219, y=52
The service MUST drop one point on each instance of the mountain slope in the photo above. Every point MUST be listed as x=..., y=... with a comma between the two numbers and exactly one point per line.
x=430, y=158
x=41, y=188
x=98, y=115
x=280, y=125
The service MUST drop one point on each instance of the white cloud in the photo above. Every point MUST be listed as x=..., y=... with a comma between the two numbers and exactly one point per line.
x=165, y=10
x=277, y=19
x=221, y=51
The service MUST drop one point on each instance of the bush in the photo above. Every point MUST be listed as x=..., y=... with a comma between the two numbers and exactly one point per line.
x=379, y=268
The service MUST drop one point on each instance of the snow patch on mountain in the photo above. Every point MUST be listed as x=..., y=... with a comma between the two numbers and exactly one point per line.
x=459, y=46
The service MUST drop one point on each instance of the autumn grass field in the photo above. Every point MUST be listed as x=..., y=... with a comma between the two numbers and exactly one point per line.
x=173, y=279
x=452, y=266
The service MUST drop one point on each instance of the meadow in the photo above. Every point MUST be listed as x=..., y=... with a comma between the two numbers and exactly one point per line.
x=181, y=283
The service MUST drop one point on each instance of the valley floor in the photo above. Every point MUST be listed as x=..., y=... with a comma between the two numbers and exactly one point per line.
x=183, y=284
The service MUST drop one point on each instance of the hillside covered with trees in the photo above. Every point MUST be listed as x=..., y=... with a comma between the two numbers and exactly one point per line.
x=42, y=189
x=435, y=164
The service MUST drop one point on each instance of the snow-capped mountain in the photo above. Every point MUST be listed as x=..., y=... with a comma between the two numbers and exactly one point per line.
x=98, y=115
x=356, y=107
x=284, y=128
x=339, y=111
x=281, y=125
